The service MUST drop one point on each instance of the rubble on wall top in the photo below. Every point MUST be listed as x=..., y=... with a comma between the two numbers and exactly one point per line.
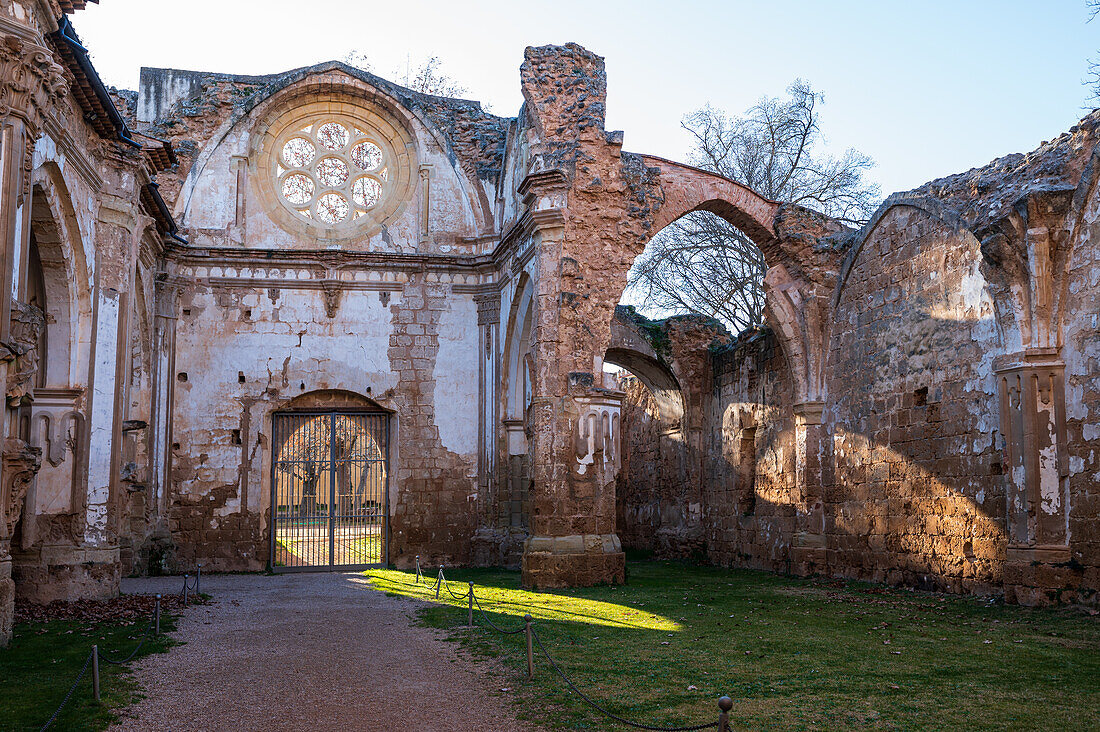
x=982, y=194
x=476, y=137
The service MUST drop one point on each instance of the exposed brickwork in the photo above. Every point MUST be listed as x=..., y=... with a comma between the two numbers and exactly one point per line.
x=434, y=516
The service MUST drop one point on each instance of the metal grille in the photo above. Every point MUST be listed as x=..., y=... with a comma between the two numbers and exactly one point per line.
x=328, y=490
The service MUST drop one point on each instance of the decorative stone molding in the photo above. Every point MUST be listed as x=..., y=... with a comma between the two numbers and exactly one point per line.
x=27, y=324
x=21, y=464
x=32, y=87
x=168, y=292
x=333, y=289
x=597, y=432
x=488, y=308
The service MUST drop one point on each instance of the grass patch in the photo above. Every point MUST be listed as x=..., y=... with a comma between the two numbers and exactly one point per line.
x=39, y=666
x=792, y=653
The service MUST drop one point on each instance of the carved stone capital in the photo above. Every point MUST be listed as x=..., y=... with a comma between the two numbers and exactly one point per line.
x=21, y=464
x=27, y=324
x=31, y=82
x=488, y=308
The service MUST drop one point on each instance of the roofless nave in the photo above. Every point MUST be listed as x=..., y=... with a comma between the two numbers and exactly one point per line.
x=317, y=319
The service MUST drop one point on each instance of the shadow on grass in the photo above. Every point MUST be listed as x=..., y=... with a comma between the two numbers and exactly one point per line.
x=44, y=659
x=792, y=653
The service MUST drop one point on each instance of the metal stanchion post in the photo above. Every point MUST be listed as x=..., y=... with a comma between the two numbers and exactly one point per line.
x=530, y=648
x=725, y=704
x=439, y=582
x=95, y=672
x=470, y=616
x=156, y=613
x=185, y=588
x=417, y=569
x=198, y=578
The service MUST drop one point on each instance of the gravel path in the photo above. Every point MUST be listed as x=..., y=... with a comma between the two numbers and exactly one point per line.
x=310, y=651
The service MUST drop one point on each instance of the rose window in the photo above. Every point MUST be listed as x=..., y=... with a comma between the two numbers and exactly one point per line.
x=331, y=171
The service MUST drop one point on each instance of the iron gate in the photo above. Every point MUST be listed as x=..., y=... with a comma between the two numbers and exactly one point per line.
x=328, y=490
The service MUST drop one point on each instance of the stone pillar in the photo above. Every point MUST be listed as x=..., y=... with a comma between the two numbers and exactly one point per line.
x=808, y=543
x=115, y=256
x=574, y=428
x=1033, y=427
x=31, y=85
x=164, y=368
x=488, y=328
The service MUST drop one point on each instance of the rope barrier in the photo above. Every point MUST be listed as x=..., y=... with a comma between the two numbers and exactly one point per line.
x=724, y=703
x=145, y=637
x=94, y=656
x=603, y=711
x=493, y=625
x=69, y=695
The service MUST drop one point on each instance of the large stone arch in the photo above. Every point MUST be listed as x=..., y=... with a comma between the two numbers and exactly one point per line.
x=632, y=350
x=64, y=269
x=801, y=275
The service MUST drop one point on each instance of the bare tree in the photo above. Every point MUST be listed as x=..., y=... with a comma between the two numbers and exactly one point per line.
x=1093, y=81
x=701, y=263
x=426, y=78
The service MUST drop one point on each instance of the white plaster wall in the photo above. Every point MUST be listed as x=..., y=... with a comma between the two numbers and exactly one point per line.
x=456, y=377
x=283, y=348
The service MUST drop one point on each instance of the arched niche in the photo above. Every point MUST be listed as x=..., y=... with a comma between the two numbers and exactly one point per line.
x=519, y=364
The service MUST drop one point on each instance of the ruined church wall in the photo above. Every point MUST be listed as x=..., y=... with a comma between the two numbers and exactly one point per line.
x=246, y=351
x=1082, y=358
x=917, y=495
x=748, y=486
x=651, y=483
x=729, y=497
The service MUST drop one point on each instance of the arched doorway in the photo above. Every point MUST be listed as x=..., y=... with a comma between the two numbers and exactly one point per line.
x=329, y=478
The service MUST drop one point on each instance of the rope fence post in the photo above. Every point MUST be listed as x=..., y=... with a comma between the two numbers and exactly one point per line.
x=156, y=614
x=725, y=704
x=530, y=647
x=198, y=578
x=418, y=574
x=470, y=615
x=439, y=582
x=95, y=672
x=185, y=588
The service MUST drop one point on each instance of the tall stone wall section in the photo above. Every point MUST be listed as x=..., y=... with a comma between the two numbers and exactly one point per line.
x=917, y=482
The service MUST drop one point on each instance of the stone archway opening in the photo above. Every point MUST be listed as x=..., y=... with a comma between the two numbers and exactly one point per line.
x=329, y=483
x=700, y=263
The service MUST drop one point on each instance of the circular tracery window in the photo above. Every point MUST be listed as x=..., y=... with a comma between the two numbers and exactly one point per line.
x=332, y=170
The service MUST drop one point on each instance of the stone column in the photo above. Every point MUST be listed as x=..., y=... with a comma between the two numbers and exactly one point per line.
x=488, y=328
x=31, y=85
x=115, y=255
x=573, y=425
x=164, y=368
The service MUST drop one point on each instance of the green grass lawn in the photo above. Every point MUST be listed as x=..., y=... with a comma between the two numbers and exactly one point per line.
x=792, y=653
x=39, y=666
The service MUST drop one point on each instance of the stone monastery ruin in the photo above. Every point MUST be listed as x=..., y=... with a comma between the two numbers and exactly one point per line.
x=316, y=319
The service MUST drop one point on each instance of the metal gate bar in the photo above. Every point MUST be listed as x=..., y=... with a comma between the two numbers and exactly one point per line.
x=328, y=490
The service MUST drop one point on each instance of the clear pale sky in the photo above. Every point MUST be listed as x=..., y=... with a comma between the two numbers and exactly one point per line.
x=926, y=88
